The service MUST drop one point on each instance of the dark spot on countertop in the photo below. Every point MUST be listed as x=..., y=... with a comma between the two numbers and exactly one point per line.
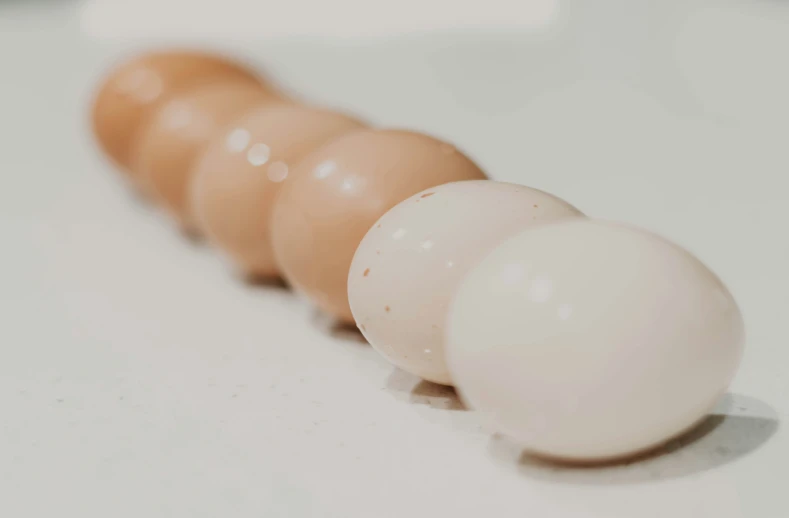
x=388, y=309
x=427, y=195
x=367, y=272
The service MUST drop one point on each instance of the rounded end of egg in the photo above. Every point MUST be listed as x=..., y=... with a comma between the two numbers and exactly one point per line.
x=595, y=327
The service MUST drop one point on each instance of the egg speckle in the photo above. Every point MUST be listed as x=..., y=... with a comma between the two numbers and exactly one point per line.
x=586, y=340
x=432, y=246
x=338, y=192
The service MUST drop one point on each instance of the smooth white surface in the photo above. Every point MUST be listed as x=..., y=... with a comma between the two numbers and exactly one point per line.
x=592, y=340
x=137, y=378
x=264, y=20
x=410, y=263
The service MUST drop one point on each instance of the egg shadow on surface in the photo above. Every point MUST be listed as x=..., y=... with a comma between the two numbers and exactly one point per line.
x=138, y=198
x=192, y=238
x=407, y=387
x=738, y=426
x=265, y=282
x=336, y=329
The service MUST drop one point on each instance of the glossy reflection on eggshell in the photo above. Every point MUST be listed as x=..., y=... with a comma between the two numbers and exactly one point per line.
x=237, y=179
x=336, y=194
x=586, y=340
x=136, y=88
x=181, y=130
x=410, y=263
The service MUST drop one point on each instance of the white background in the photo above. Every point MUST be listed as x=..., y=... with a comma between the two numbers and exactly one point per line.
x=139, y=378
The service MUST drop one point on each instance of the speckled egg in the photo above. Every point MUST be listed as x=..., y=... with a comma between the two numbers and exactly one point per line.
x=237, y=179
x=409, y=264
x=336, y=194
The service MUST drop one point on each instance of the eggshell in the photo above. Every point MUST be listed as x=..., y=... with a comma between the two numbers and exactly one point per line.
x=409, y=264
x=586, y=340
x=337, y=192
x=182, y=129
x=236, y=180
x=137, y=87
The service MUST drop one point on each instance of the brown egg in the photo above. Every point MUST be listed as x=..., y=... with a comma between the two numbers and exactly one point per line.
x=236, y=179
x=336, y=193
x=180, y=130
x=136, y=88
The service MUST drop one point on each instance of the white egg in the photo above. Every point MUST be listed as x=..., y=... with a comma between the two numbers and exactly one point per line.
x=587, y=340
x=409, y=264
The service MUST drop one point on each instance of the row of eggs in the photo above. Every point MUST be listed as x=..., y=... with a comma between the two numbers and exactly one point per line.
x=582, y=339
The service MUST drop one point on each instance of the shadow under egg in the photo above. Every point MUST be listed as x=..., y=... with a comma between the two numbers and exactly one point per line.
x=270, y=282
x=336, y=329
x=411, y=388
x=349, y=332
x=718, y=439
x=192, y=236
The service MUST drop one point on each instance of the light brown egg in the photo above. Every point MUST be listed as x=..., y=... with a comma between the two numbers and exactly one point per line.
x=180, y=130
x=236, y=179
x=336, y=194
x=134, y=89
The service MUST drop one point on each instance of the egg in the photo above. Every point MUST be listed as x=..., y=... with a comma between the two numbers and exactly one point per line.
x=180, y=130
x=134, y=90
x=237, y=179
x=338, y=191
x=587, y=341
x=409, y=264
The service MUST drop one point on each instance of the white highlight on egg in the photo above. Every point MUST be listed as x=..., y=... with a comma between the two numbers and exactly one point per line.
x=178, y=115
x=511, y=274
x=324, y=169
x=277, y=171
x=541, y=289
x=258, y=154
x=144, y=85
x=237, y=140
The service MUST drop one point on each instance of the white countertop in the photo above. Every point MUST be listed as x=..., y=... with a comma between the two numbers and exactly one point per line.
x=138, y=378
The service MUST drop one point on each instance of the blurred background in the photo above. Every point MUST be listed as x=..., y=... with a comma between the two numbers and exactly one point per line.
x=672, y=115
x=646, y=111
